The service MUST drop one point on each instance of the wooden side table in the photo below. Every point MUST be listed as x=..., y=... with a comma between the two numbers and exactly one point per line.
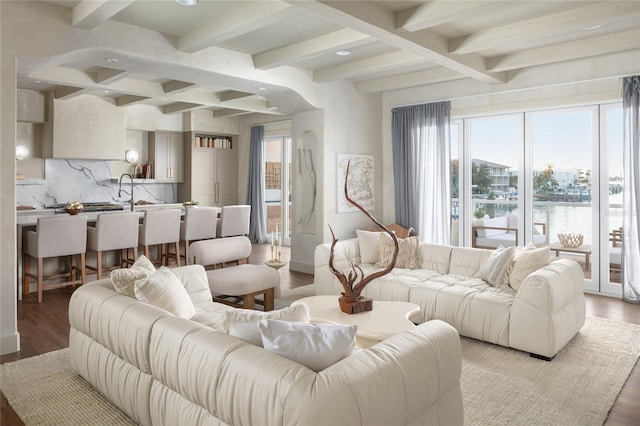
x=583, y=249
x=385, y=320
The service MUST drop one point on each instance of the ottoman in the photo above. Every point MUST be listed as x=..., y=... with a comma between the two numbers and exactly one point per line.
x=244, y=282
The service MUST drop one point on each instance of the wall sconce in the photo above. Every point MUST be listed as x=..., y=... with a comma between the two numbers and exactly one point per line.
x=22, y=152
x=132, y=156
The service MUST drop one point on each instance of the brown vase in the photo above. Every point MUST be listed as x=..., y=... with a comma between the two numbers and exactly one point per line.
x=355, y=306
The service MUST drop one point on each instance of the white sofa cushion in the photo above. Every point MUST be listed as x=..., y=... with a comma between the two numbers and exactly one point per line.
x=164, y=290
x=497, y=269
x=369, y=244
x=124, y=279
x=407, y=252
x=526, y=260
x=314, y=345
x=243, y=323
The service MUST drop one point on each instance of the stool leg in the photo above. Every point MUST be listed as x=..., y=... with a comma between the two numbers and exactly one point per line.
x=186, y=252
x=269, y=303
x=249, y=301
x=99, y=264
x=83, y=268
x=40, y=267
x=135, y=253
x=26, y=269
x=177, y=253
x=72, y=271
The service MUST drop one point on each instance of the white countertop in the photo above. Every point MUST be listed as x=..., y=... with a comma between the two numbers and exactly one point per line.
x=30, y=217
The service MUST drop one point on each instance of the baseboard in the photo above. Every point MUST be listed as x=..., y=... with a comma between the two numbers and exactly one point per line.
x=301, y=267
x=10, y=343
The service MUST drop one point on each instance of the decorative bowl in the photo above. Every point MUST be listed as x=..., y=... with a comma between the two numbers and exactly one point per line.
x=570, y=239
x=74, y=207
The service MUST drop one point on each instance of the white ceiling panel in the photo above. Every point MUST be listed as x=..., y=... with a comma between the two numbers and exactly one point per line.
x=394, y=44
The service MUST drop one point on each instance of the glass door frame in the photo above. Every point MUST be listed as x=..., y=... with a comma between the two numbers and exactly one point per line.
x=590, y=284
x=285, y=189
x=599, y=265
x=606, y=286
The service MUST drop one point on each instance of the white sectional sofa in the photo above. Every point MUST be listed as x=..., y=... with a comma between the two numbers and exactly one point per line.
x=540, y=318
x=164, y=370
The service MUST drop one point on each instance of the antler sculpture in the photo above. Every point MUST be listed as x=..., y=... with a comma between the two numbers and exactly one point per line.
x=351, y=301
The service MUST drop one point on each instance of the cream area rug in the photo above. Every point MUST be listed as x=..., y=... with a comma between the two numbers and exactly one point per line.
x=500, y=386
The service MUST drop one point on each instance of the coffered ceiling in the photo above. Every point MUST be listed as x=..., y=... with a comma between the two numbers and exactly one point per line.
x=392, y=45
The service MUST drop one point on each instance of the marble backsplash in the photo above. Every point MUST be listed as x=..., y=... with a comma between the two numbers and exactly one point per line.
x=87, y=181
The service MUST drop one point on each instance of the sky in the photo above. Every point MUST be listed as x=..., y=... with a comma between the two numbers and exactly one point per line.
x=561, y=137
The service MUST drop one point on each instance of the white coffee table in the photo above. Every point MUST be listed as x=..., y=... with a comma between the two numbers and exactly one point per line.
x=385, y=320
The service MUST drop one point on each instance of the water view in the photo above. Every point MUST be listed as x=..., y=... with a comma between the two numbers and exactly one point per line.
x=559, y=217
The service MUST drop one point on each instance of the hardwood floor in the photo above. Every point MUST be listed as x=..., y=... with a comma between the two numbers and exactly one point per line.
x=45, y=327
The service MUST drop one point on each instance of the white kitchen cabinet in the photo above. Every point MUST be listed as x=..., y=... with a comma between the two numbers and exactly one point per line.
x=210, y=170
x=166, y=152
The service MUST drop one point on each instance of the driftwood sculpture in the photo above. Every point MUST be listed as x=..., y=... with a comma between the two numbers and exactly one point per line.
x=351, y=302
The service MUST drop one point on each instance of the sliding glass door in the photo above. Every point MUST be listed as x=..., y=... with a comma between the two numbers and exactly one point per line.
x=278, y=186
x=611, y=199
x=494, y=146
x=562, y=196
x=548, y=176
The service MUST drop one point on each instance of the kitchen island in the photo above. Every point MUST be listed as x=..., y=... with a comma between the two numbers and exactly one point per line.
x=26, y=220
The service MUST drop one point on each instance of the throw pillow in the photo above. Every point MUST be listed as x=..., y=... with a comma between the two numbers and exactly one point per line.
x=243, y=323
x=164, y=290
x=497, y=268
x=407, y=253
x=527, y=260
x=369, y=243
x=316, y=346
x=124, y=279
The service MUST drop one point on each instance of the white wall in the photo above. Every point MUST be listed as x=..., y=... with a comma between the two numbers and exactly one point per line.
x=351, y=126
x=307, y=133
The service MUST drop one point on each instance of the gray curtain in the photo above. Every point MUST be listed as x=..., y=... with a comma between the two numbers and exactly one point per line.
x=631, y=190
x=255, y=187
x=421, y=169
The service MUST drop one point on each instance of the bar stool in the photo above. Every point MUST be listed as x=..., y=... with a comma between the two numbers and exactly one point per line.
x=58, y=236
x=199, y=224
x=234, y=221
x=159, y=228
x=113, y=231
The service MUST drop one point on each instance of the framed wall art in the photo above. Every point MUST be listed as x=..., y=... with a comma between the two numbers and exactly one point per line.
x=361, y=182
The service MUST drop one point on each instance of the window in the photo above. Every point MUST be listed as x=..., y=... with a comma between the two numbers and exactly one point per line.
x=547, y=172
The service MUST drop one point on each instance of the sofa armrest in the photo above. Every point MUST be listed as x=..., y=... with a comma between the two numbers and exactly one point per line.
x=410, y=378
x=345, y=253
x=549, y=308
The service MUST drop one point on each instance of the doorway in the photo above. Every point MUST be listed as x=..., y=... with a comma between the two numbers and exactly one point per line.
x=277, y=182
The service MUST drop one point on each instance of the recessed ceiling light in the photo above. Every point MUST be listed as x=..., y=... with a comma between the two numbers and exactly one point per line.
x=37, y=82
x=111, y=59
x=187, y=2
x=343, y=52
x=262, y=88
x=594, y=27
x=106, y=91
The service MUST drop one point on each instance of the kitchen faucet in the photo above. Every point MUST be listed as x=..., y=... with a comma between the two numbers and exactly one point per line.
x=120, y=190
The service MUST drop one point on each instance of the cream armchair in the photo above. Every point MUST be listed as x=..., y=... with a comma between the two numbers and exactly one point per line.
x=502, y=230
